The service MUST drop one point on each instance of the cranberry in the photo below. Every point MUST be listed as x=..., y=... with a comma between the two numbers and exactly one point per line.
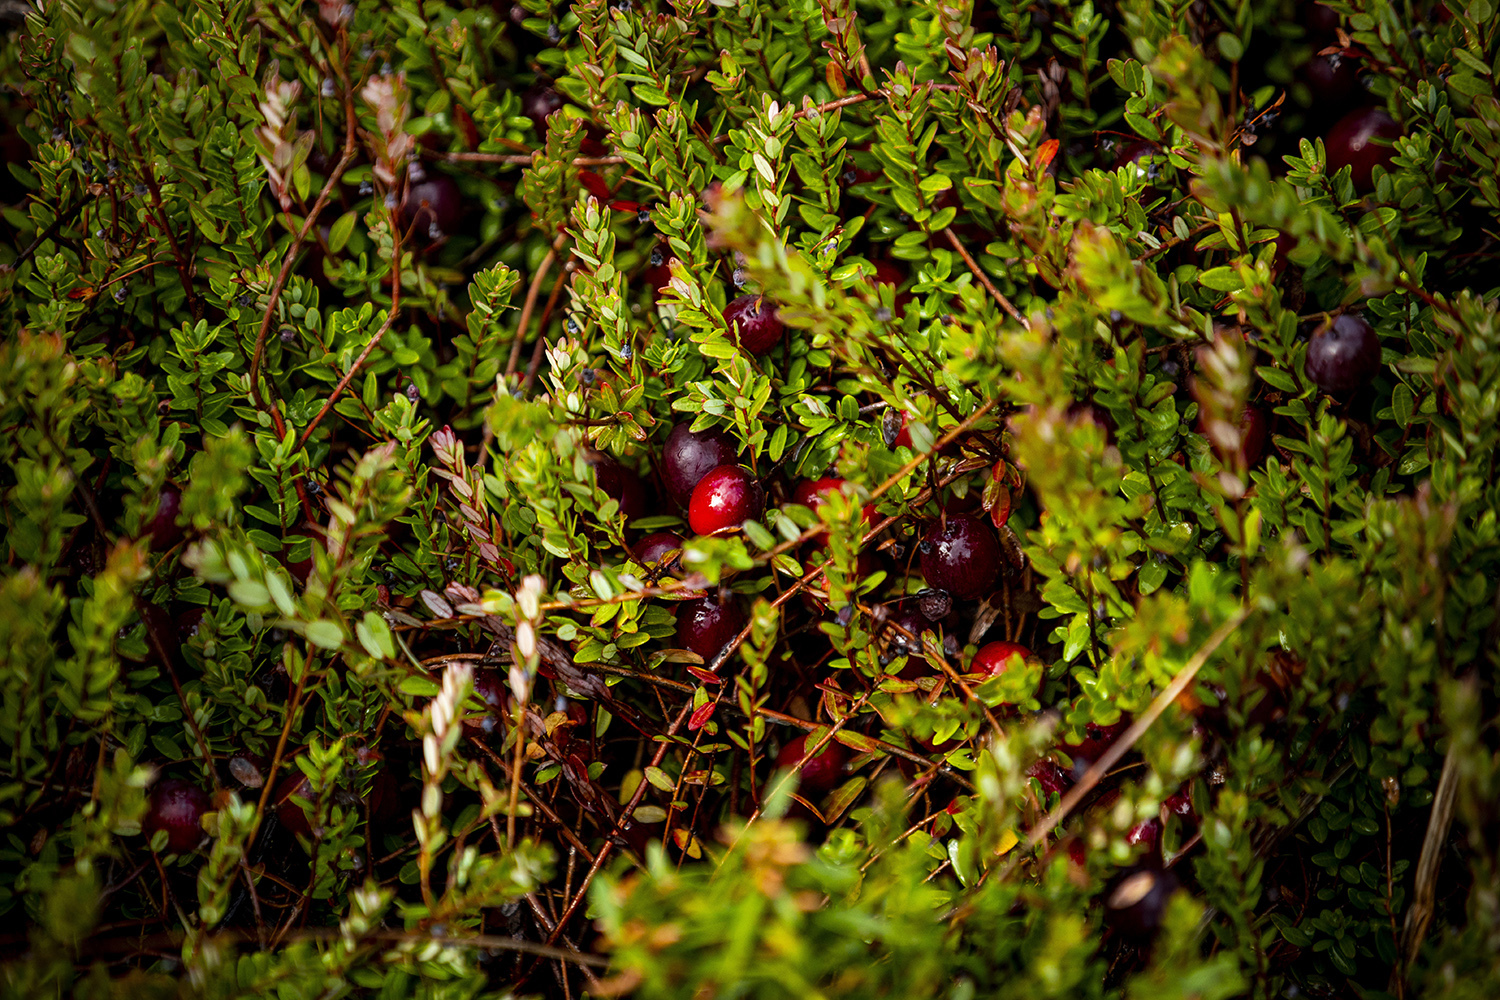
x=288, y=812
x=619, y=484
x=1135, y=904
x=687, y=457
x=434, y=203
x=650, y=550
x=159, y=624
x=1053, y=779
x=1322, y=23
x=1096, y=740
x=813, y=493
x=961, y=556
x=163, y=529
x=1147, y=832
x=177, y=807
x=1333, y=79
x=1362, y=140
x=759, y=326
x=1255, y=431
x=188, y=623
x=705, y=626
x=993, y=658
x=727, y=497
x=820, y=773
x=1135, y=152
x=540, y=103
x=492, y=689
x=1180, y=803
x=1344, y=355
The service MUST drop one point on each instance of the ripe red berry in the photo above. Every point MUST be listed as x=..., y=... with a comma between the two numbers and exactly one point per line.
x=540, y=103
x=288, y=812
x=705, y=626
x=759, y=326
x=163, y=529
x=821, y=772
x=1344, y=355
x=814, y=493
x=687, y=457
x=961, y=556
x=1135, y=904
x=1147, y=832
x=1145, y=157
x=727, y=497
x=994, y=658
x=1255, y=431
x=1053, y=779
x=1362, y=140
x=650, y=550
x=433, y=205
x=177, y=807
x=619, y=484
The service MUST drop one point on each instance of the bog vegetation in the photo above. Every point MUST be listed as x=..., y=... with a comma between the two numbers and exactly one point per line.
x=721, y=498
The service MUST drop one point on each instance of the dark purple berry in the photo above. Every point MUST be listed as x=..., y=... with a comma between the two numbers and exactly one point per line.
x=963, y=557
x=650, y=550
x=540, y=103
x=1135, y=904
x=1344, y=355
x=619, y=484
x=688, y=457
x=1361, y=140
x=177, y=807
x=759, y=327
x=705, y=627
x=435, y=201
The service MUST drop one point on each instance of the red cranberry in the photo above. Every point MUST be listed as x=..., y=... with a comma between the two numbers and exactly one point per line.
x=705, y=627
x=1180, y=803
x=288, y=812
x=1255, y=431
x=1333, y=79
x=1135, y=904
x=813, y=493
x=961, y=556
x=727, y=497
x=759, y=326
x=163, y=529
x=650, y=550
x=687, y=457
x=993, y=658
x=540, y=103
x=177, y=807
x=432, y=204
x=1344, y=355
x=1147, y=832
x=1053, y=779
x=1096, y=740
x=1135, y=152
x=1362, y=140
x=819, y=774
x=619, y=484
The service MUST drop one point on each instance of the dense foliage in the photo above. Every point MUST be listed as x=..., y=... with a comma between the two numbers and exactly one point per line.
x=383, y=612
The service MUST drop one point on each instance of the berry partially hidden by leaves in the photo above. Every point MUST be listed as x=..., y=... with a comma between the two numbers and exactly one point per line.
x=619, y=484
x=163, y=529
x=727, y=497
x=1362, y=140
x=654, y=547
x=821, y=772
x=961, y=556
x=435, y=204
x=540, y=103
x=177, y=807
x=288, y=812
x=1136, y=903
x=1344, y=355
x=705, y=626
x=492, y=690
x=759, y=328
x=994, y=658
x=687, y=457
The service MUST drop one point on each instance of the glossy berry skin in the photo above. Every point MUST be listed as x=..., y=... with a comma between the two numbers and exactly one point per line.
x=650, y=550
x=725, y=498
x=705, y=627
x=961, y=556
x=1135, y=904
x=821, y=773
x=993, y=658
x=1053, y=779
x=1361, y=140
x=1343, y=356
x=434, y=202
x=688, y=457
x=760, y=329
x=163, y=528
x=619, y=484
x=539, y=104
x=176, y=806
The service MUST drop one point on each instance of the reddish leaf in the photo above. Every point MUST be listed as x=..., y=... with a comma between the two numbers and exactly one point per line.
x=702, y=715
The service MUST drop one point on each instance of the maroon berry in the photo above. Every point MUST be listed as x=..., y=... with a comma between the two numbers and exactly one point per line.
x=1053, y=779
x=1145, y=157
x=384, y=798
x=1333, y=79
x=432, y=206
x=727, y=497
x=163, y=529
x=994, y=658
x=288, y=812
x=1135, y=904
x=619, y=484
x=1361, y=140
x=1147, y=832
x=1255, y=431
x=492, y=690
x=540, y=103
x=705, y=626
x=687, y=457
x=1344, y=355
x=654, y=547
x=821, y=772
x=177, y=807
x=961, y=556
x=759, y=326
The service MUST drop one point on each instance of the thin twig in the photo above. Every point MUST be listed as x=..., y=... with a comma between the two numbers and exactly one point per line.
x=534, y=290
x=984, y=279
